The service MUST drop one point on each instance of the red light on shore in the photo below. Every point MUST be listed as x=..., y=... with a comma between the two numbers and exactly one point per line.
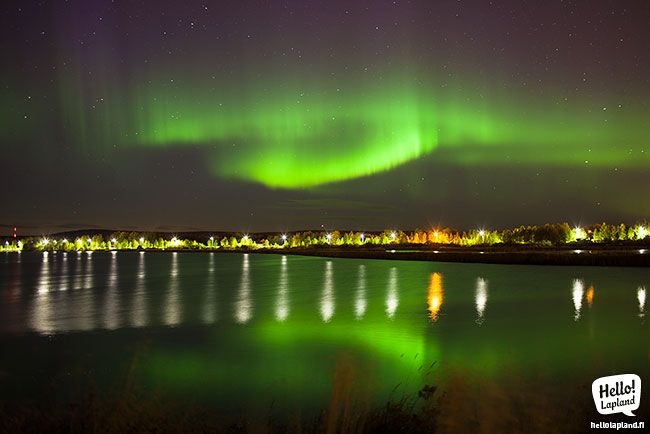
x=14, y=231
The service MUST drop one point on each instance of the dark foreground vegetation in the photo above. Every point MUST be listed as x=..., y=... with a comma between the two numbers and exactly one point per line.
x=463, y=404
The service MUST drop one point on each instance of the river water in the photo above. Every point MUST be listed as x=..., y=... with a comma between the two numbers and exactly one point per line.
x=249, y=332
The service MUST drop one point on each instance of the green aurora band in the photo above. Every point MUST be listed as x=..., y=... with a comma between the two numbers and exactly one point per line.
x=309, y=134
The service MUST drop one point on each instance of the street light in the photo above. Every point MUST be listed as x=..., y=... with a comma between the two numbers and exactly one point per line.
x=284, y=237
x=141, y=240
x=579, y=233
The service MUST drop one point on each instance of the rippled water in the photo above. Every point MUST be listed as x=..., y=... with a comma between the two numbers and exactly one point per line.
x=246, y=329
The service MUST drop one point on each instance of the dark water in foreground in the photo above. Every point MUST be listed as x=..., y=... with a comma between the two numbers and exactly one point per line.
x=251, y=332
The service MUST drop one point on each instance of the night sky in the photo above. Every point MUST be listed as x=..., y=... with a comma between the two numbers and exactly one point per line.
x=284, y=115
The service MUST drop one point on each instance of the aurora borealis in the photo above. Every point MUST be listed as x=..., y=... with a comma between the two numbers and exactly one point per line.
x=311, y=140
x=273, y=116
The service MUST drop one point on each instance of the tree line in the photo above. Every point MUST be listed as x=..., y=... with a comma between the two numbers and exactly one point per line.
x=545, y=235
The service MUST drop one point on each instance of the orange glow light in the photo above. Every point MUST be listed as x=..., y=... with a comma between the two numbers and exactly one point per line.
x=435, y=295
x=590, y=296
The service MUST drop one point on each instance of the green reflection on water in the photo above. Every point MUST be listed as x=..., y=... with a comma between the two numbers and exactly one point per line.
x=252, y=329
x=396, y=321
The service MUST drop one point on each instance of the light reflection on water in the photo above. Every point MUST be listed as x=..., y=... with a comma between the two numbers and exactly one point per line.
x=88, y=272
x=481, y=298
x=327, y=302
x=640, y=296
x=392, y=296
x=85, y=295
x=83, y=303
x=210, y=303
x=65, y=279
x=44, y=282
x=577, y=293
x=282, y=305
x=244, y=306
x=41, y=310
x=77, y=272
x=361, y=301
x=139, y=306
x=435, y=295
x=112, y=307
x=590, y=296
x=396, y=321
x=172, y=304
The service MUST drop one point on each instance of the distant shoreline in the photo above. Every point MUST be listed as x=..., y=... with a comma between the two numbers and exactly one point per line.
x=600, y=244
x=577, y=255
x=586, y=257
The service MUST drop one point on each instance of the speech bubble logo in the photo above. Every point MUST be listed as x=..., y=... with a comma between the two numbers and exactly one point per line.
x=617, y=394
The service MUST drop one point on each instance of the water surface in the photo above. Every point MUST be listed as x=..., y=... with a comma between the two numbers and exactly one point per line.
x=247, y=331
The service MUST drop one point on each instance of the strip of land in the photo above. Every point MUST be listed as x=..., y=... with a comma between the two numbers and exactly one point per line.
x=551, y=244
x=620, y=256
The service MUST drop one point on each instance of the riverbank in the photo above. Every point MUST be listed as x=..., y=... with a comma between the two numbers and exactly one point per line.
x=551, y=244
x=588, y=255
x=627, y=254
